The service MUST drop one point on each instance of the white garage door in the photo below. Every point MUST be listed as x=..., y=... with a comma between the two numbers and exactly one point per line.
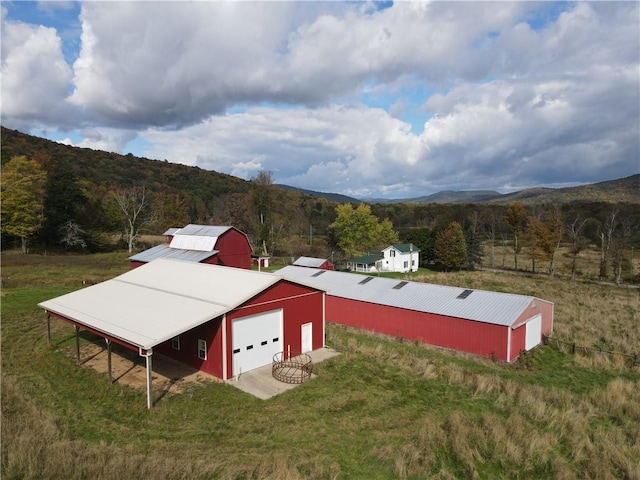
x=533, y=334
x=255, y=340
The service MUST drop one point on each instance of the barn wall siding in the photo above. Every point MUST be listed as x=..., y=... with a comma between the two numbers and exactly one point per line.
x=300, y=305
x=468, y=336
x=518, y=336
x=234, y=249
x=188, y=353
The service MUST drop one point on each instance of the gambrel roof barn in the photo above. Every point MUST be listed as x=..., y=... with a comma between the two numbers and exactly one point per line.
x=215, y=245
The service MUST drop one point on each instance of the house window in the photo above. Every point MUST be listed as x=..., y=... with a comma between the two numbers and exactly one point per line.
x=202, y=349
x=175, y=343
x=406, y=264
x=392, y=253
x=413, y=263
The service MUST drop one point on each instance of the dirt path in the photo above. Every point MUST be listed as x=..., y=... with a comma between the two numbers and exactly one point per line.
x=128, y=368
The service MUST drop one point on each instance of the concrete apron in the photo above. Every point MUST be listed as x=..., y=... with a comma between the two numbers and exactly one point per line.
x=260, y=383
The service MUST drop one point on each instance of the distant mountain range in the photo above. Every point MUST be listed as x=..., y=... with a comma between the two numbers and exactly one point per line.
x=621, y=190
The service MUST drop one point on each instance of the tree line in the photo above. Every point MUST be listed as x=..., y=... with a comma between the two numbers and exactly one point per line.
x=48, y=206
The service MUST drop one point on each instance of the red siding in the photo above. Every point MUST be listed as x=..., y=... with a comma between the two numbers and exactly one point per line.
x=188, y=353
x=458, y=334
x=95, y=332
x=518, y=339
x=234, y=249
x=134, y=264
x=300, y=305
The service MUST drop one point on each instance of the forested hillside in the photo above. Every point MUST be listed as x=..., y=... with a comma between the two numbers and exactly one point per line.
x=92, y=189
x=80, y=199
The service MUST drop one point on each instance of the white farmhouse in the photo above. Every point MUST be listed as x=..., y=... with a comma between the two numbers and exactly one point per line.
x=402, y=257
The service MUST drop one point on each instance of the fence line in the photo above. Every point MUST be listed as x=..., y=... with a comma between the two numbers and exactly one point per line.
x=633, y=357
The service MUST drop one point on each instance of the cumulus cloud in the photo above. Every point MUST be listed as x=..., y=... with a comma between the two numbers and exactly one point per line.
x=35, y=77
x=512, y=93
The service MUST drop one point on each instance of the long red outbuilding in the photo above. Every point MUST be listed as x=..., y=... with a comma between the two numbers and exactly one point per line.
x=490, y=324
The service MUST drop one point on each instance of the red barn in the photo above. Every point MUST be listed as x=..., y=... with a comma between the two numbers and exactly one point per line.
x=214, y=245
x=489, y=324
x=321, y=263
x=220, y=320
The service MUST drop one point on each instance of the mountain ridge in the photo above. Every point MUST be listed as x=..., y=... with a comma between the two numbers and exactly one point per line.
x=113, y=168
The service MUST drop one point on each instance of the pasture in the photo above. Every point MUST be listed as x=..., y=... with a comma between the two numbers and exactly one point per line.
x=383, y=409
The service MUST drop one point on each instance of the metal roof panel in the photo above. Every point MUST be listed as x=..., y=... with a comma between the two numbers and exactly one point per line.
x=165, y=251
x=483, y=306
x=161, y=299
x=309, y=262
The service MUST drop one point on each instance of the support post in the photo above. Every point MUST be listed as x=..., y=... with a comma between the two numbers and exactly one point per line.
x=48, y=329
x=77, y=343
x=147, y=355
x=109, y=359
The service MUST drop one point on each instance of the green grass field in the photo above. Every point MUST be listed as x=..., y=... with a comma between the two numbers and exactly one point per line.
x=383, y=409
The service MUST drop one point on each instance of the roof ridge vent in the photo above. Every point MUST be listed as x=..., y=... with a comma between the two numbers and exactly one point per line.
x=464, y=294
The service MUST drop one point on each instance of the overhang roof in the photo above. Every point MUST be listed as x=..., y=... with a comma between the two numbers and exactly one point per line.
x=368, y=259
x=478, y=305
x=160, y=300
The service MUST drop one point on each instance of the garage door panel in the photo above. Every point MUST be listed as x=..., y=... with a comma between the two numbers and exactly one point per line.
x=255, y=340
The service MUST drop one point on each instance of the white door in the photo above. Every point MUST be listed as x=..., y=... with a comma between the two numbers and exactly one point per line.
x=533, y=334
x=255, y=340
x=307, y=337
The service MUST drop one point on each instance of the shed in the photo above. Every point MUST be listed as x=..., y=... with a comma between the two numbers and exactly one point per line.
x=321, y=263
x=220, y=320
x=490, y=324
x=215, y=245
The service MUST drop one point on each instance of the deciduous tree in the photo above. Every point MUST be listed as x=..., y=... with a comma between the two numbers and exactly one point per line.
x=134, y=206
x=578, y=243
x=514, y=218
x=23, y=183
x=357, y=230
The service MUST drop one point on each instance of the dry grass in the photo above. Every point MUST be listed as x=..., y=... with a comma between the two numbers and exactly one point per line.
x=383, y=409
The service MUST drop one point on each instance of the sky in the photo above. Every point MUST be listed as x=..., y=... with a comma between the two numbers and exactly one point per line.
x=368, y=99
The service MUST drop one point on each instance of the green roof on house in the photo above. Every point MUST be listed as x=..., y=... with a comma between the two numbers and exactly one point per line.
x=368, y=259
x=406, y=247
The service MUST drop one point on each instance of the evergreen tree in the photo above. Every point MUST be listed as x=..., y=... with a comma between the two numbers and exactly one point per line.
x=64, y=203
x=450, y=247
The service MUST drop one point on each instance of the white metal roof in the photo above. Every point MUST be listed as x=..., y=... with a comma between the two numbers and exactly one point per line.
x=161, y=299
x=201, y=243
x=309, y=262
x=165, y=251
x=480, y=305
x=203, y=230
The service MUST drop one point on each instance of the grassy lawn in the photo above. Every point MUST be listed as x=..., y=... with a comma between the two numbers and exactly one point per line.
x=383, y=409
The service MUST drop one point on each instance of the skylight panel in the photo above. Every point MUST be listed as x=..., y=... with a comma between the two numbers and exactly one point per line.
x=464, y=294
x=362, y=282
x=399, y=285
x=317, y=274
